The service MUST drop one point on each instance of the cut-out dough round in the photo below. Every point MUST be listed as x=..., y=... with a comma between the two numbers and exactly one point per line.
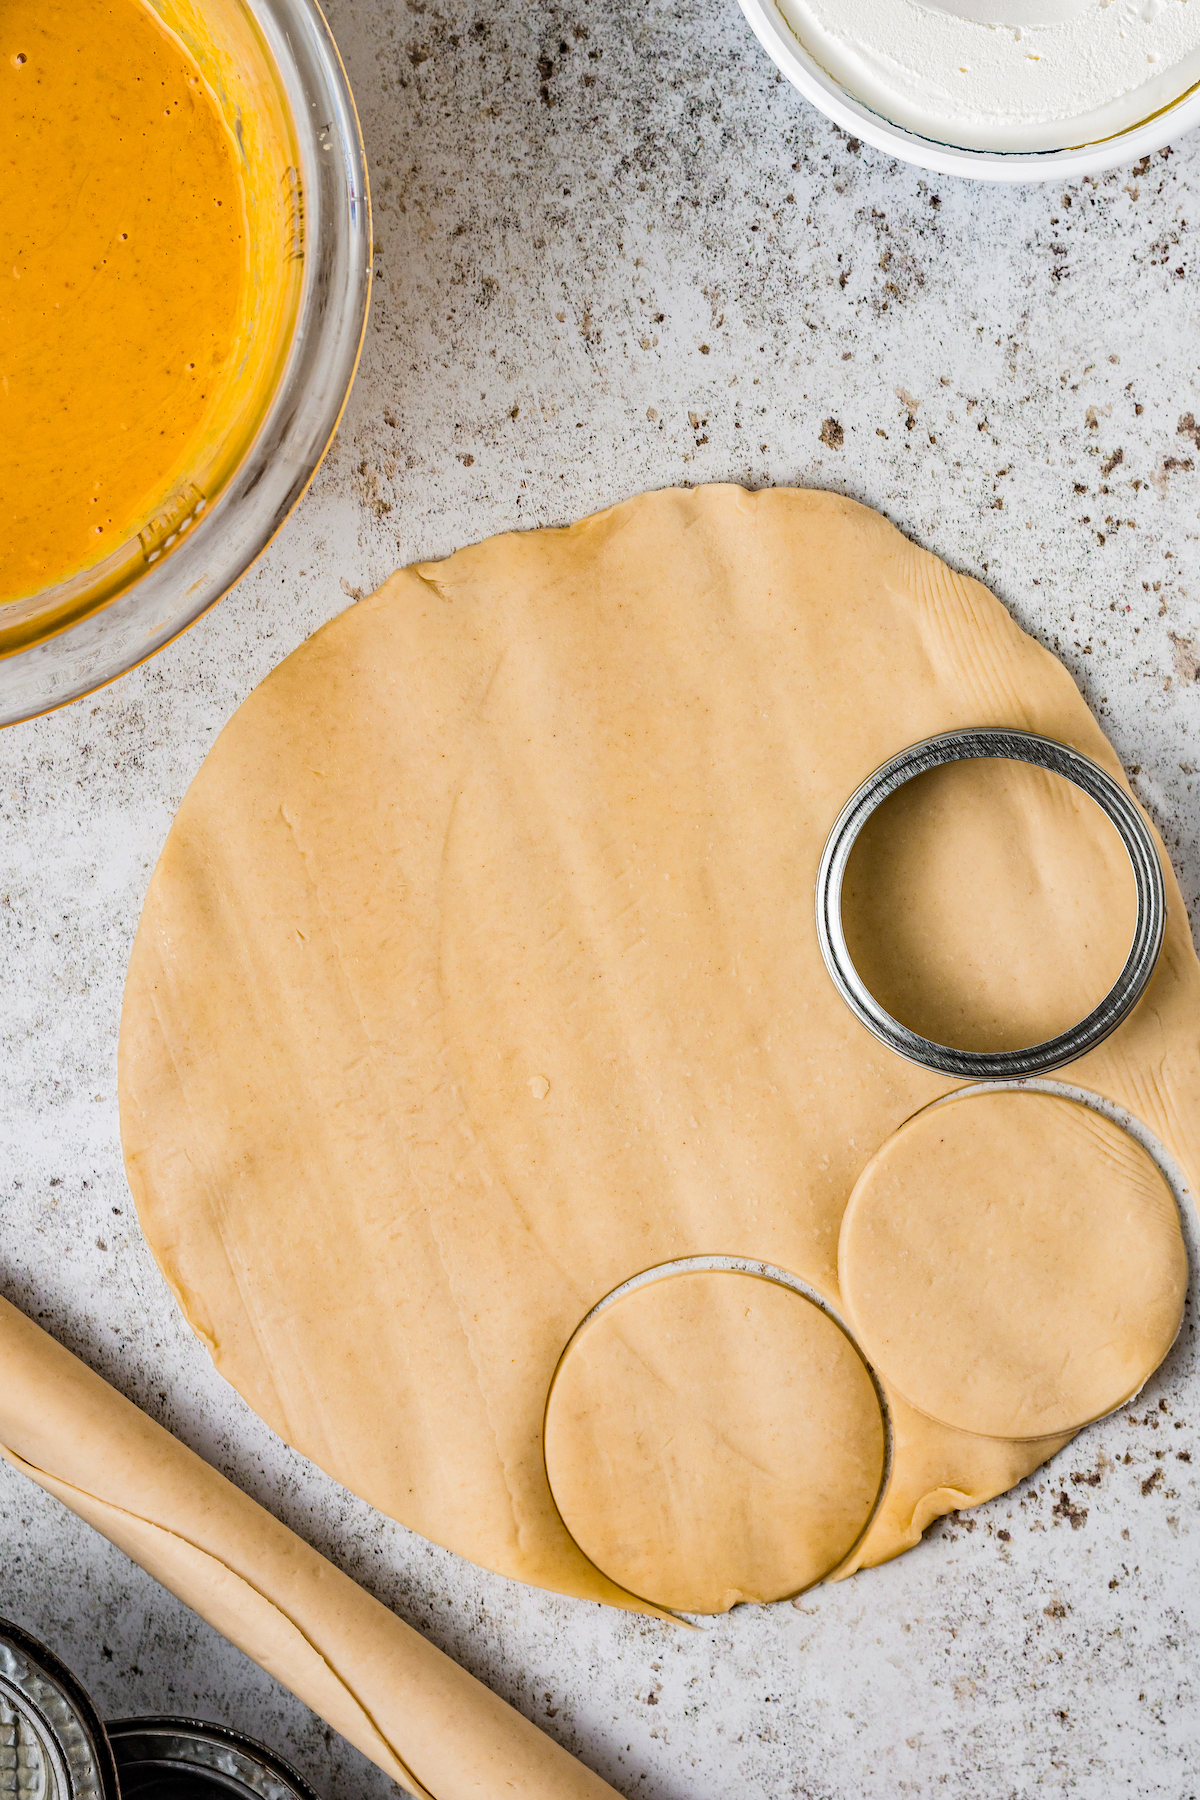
x=1013, y=1264
x=713, y=1437
x=955, y=972
x=480, y=969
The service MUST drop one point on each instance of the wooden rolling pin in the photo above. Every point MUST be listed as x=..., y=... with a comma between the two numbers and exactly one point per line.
x=426, y=1722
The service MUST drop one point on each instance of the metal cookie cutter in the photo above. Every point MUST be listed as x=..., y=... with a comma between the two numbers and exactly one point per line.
x=1044, y=753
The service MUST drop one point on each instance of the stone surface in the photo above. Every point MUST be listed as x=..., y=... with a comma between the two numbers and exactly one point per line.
x=615, y=252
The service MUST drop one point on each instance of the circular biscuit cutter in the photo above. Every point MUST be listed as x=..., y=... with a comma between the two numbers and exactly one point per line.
x=1131, y=828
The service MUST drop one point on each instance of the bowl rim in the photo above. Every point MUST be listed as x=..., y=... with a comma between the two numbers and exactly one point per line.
x=43, y=1689
x=1071, y=163
x=230, y=532
x=174, y=1744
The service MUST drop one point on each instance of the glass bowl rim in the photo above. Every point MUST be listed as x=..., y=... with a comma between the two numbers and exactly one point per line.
x=300, y=421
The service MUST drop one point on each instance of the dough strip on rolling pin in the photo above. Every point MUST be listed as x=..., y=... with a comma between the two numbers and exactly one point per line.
x=414, y=1712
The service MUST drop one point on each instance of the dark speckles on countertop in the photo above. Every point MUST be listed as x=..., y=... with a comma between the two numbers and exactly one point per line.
x=615, y=251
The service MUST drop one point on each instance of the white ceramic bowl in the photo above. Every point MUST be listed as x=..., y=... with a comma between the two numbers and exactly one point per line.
x=792, y=59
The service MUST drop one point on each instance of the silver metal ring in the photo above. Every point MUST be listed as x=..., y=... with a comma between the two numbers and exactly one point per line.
x=1044, y=753
x=52, y=1743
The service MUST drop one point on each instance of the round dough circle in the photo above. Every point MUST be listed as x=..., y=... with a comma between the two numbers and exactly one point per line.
x=1013, y=1264
x=479, y=970
x=713, y=1437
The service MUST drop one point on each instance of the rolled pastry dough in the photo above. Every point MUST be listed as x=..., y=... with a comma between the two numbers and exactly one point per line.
x=713, y=1437
x=422, y=1719
x=1013, y=1263
x=479, y=973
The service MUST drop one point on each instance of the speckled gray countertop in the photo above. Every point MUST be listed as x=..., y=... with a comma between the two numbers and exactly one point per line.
x=616, y=251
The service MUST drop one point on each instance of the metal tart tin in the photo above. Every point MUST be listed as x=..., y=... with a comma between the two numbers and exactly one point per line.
x=53, y=1745
x=188, y=1759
